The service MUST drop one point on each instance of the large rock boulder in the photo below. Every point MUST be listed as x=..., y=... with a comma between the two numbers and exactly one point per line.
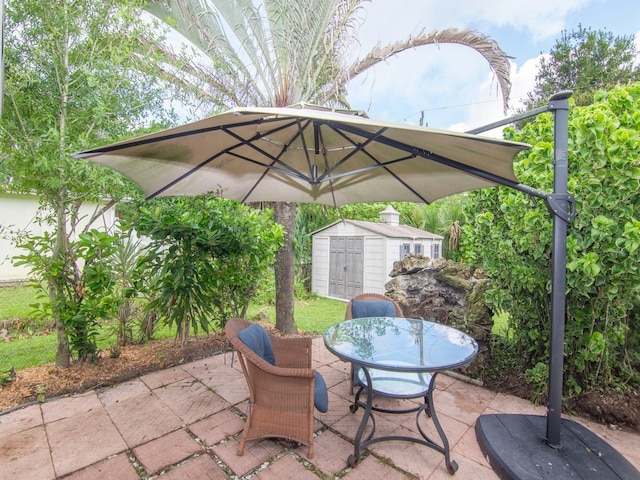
x=446, y=292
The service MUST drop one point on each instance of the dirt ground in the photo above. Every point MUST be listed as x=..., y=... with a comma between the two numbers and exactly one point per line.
x=616, y=409
x=45, y=382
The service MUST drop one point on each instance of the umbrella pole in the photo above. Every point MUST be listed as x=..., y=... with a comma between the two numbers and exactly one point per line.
x=517, y=445
x=559, y=206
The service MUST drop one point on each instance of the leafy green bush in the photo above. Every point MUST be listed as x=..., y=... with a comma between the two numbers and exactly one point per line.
x=511, y=238
x=209, y=255
x=87, y=293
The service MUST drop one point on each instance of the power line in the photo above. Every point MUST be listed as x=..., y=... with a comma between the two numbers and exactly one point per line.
x=447, y=107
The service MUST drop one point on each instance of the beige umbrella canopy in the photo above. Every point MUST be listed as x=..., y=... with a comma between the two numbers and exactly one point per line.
x=312, y=154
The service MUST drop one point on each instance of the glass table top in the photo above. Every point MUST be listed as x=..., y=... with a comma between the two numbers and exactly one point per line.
x=400, y=344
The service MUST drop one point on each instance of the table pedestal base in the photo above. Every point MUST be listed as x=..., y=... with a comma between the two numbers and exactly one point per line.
x=425, y=408
x=516, y=449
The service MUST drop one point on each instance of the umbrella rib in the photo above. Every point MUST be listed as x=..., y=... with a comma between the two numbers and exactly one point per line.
x=317, y=138
x=183, y=176
x=372, y=167
x=272, y=167
x=313, y=169
x=382, y=165
x=442, y=160
x=312, y=179
x=358, y=147
x=284, y=167
x=171, y=136
x=229, y=151
x=289, y=172
x=362, y=147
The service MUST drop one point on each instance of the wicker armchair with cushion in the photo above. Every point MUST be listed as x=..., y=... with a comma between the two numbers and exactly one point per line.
x=283, y=388
x=370, y=305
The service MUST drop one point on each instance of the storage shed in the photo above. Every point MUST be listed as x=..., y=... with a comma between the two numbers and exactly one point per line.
x=351, y=256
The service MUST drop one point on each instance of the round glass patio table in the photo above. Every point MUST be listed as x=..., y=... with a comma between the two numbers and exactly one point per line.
x=399, y=358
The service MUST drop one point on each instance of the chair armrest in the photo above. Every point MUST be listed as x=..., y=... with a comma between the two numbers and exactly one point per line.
x=292, y=352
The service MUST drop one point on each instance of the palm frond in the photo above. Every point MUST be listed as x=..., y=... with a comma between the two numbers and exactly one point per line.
x=224, y=40
x=488, y=48
x=281, y=52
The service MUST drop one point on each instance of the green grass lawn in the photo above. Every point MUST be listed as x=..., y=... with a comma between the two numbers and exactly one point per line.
x=27, y=352
x=314, y=315
x=15, y=301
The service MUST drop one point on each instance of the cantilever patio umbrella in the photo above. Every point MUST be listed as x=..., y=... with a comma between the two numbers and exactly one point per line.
x=309, y=154
x=312, y=154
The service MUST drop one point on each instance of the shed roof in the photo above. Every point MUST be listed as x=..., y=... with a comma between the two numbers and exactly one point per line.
x=386, y=230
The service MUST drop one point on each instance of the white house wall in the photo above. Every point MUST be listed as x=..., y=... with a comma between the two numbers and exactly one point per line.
x=18, y=212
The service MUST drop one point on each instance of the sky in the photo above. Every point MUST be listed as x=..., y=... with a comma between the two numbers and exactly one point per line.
x=452, y=86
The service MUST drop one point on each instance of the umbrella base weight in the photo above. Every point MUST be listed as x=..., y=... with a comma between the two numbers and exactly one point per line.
x=516, y=449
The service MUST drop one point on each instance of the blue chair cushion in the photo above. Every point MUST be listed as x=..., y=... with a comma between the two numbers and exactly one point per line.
x=378, y=308
x=320, y=394
x=256, y=338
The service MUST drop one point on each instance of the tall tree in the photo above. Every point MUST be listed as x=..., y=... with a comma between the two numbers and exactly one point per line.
x=584, y=61
x=76, y=76
x=281, y=52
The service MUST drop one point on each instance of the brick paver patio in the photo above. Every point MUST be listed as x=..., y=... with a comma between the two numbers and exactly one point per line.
x=184, y=423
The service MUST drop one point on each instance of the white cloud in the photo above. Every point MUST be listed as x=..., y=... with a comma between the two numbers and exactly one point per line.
x=431, y=78
x=541, y=19
x=480, y=113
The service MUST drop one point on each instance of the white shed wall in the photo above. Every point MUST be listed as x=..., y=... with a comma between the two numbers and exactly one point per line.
x=380, y=252
x=374, y=262
x=320, y=266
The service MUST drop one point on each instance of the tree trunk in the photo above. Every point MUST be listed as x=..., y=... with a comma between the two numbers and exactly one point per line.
x=63, y=352
x=56, y=286
x=285, y=214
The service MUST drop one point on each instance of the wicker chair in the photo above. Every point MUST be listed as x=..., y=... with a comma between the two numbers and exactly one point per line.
x=367, y=297
x=281, y=402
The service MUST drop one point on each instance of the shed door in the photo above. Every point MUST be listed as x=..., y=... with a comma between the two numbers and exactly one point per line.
x=346, y=266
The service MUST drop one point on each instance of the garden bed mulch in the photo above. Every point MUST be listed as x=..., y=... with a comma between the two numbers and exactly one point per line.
x=47, y=381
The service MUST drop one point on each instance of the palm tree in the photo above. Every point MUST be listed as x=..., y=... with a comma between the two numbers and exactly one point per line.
x=275, y=53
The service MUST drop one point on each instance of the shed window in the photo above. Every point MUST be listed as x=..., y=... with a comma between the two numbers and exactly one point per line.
x=405, y=250
x=435, y=250
x=417, y=248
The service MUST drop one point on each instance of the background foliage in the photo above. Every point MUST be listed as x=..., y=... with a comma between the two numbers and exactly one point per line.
x=584, y=61
x=511, y=238
x=76, y=75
